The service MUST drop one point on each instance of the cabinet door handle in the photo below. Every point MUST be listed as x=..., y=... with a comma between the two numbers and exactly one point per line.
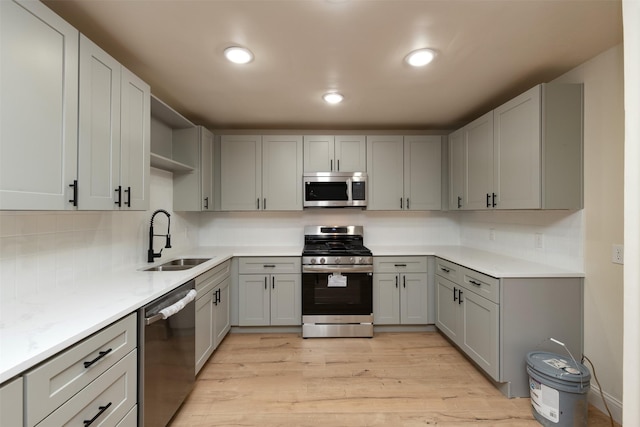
x=408, y=204
x=264, y=204
x=460, y=296
x=404, y=281
x=74, y=200
x=400, y=202
x=87, y=423
x=446, y=270
x=455, y=294
x=101, y=354
x=459, y=202
x=338, y=162
x=396, y=282
x=128, y=202
x=273, y=282
x=206, y=203
x=488, y=200
x=473, y=282
x=119, y=193
x=258, y=203
x=265, y=282
x=493, y=201
x=331, y=165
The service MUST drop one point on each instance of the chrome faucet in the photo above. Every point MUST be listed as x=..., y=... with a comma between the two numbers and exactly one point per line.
x=151, y=255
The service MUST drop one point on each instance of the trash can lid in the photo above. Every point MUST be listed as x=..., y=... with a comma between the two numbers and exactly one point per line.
x=558, y=366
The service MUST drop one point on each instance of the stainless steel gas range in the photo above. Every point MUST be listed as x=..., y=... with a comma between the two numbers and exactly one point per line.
x=337, y=283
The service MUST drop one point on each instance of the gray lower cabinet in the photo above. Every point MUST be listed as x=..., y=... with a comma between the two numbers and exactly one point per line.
x=497, y=321
x=270, y=291
x=400, y=291
x=11, y=403
x=212, y=311
x=96, y=378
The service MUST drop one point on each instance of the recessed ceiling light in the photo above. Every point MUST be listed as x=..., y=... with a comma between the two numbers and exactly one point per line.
x=420, y=57
x=238, y=55
x=332, y=98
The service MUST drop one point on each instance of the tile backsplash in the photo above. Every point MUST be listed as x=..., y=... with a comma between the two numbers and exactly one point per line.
x=42, y=250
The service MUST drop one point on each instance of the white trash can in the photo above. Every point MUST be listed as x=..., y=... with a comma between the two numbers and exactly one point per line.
x=558, y=389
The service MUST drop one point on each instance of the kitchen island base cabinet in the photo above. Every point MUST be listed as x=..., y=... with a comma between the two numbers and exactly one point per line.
x=270, y=292
x=496, y=322
x=11, y=403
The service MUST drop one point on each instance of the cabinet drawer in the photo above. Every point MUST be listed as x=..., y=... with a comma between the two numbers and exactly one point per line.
x=108, y=399
x=390, y=264
x=61, y=377
x=268, y=265
x=448, y=269
x=208, y=280
x=481, y=284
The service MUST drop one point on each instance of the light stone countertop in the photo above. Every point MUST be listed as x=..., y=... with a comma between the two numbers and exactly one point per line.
x=36, y=328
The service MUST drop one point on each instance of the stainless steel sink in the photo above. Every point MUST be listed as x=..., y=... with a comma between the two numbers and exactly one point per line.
x=187, y=261
x=178, y=264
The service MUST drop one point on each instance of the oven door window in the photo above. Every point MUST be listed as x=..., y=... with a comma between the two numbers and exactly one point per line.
x=325, y=191
x=318, y=298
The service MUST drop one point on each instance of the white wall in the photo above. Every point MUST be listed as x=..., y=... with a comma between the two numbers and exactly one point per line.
x=631, y=16
x=603, y=216
x=287, y=228
x=39, y=250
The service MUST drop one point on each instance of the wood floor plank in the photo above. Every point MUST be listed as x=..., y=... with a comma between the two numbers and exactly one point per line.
x=393, y=379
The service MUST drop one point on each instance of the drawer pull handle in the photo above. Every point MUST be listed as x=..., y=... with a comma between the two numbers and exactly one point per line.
x=446, y=270
x=400, y=265
x=101, y=354
x=102, y=409
x=269, y=266
x=473, y=282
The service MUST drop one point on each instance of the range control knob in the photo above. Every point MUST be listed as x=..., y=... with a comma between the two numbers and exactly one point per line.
x=322, y=260
x=362, y=260
x=313, y=261
x=337, y=260
x=352, y=260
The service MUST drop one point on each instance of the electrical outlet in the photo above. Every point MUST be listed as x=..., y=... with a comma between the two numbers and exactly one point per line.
x=539, y=240
x=492, y=234
x=617, y=254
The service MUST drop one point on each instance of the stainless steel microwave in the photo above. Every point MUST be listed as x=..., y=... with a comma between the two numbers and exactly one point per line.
x=335, y=189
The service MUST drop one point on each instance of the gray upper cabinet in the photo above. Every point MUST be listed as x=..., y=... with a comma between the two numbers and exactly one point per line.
x=193, y=191
x=404, y=172
x=342, y=153
x=525, y=154
x=42, y=116
x=261, y=172
x=114, y=133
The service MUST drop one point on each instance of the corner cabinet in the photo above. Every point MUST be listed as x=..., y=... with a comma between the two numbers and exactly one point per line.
x=404, y=173
x=400, y=291
x=261, y=172
x=497, y=321
x=193, y=190
x=341, y=153
x=113, y=132
x=270, y=291
x=525, y=154
x=40, y=109
x=212, y=311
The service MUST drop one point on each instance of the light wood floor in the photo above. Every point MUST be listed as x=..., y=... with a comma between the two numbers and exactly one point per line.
x=394, y=379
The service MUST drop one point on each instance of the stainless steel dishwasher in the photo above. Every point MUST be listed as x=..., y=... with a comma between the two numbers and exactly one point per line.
x=166, y=364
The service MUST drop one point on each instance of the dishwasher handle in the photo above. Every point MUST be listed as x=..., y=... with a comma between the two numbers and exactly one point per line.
x=169, y=311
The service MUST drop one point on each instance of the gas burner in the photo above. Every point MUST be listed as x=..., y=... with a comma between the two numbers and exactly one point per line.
x=335, y=245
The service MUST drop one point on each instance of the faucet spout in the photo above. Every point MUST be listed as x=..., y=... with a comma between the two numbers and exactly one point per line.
x=151, y=254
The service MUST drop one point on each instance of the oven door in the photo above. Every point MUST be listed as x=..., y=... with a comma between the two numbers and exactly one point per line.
x=337, y=291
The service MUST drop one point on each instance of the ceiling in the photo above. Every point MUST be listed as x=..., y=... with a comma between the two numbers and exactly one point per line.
x=487, y=52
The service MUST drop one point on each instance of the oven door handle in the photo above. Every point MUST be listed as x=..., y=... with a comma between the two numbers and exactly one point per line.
x=337, y=269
